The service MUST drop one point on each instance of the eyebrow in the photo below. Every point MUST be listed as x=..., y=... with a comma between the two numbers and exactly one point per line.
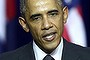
x=34, y=15
x=52, y=11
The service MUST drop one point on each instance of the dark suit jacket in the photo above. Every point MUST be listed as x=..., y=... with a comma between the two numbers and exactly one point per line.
x=70, y=52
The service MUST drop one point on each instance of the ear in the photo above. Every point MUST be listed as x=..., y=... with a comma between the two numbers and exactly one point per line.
x=65, y=14
x=23, y=24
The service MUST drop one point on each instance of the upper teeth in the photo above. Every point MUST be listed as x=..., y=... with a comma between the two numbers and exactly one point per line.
x=50, y=36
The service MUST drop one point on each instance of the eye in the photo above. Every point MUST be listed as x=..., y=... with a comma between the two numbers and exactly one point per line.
x=53, y=14
x=36, y=18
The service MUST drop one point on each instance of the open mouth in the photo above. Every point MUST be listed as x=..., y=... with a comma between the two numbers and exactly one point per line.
x=49, y=36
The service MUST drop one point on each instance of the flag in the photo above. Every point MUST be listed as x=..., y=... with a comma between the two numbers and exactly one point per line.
x=8, y=25
x=2, y=23
x=12, y=35
x=75, y=28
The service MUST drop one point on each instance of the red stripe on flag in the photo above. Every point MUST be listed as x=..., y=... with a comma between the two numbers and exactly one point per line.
x=79, y=8
x=10, y=9
x=65, y=34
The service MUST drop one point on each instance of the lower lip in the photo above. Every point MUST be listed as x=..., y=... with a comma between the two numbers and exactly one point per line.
x=50, y=39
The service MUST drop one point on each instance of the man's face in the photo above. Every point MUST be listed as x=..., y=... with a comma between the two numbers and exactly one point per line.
x=45, y=19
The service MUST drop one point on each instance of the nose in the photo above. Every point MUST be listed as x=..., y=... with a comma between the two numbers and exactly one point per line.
x=46, y=24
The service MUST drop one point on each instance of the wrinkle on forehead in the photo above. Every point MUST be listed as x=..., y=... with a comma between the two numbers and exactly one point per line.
x=40, y=3
x=37, y=6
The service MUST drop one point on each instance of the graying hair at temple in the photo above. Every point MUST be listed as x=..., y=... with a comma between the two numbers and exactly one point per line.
x=23, y=6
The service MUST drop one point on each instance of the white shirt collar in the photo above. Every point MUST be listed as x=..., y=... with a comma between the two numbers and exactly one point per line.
x=56, y=54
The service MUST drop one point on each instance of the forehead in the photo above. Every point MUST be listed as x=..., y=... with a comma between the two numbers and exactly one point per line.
x=35, y=6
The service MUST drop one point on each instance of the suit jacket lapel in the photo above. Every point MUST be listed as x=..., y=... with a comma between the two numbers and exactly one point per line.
x=68, y=52
x=27, y=53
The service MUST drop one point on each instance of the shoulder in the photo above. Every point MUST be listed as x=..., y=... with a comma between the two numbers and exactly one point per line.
x=77, y=50
x=13, y=55
x=8, y=55
x=74, y=46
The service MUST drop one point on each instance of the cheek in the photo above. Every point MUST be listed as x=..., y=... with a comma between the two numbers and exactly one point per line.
x=58, y=23
x=35, y=30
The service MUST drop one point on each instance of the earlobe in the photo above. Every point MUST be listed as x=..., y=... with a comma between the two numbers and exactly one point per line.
x=65, y=13
x=23, y=24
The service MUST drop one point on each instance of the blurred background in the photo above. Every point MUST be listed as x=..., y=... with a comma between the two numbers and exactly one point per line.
x=12, y=36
